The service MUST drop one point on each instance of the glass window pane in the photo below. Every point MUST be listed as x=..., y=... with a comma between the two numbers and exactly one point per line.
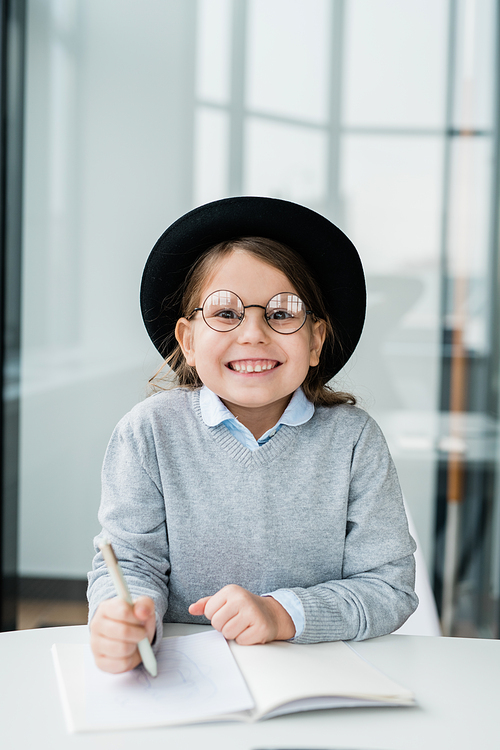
x=288, y=48
x=475, y=64
x=213, y=53
x=211, y=155
x=468, y=245
x=285, y=161
x=395, y=63
x=391, y=192
x=391, y=189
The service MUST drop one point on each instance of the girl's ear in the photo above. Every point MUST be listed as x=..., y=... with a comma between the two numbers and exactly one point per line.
x=184, y=336
x=318, y=334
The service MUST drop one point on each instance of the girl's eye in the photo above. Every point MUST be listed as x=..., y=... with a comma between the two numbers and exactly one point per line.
x=226, y=314
x=280, y=315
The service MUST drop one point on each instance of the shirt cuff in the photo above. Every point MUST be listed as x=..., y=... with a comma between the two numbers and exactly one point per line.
x=292, y=604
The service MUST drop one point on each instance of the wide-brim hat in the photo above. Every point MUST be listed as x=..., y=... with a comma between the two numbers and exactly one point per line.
x=329, y=254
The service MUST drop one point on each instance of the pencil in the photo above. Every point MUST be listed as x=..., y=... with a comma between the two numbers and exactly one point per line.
x=144, y=646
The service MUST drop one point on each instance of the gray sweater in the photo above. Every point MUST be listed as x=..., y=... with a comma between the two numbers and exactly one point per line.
x=317, y=510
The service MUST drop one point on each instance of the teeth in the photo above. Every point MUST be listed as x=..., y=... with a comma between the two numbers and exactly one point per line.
x=260, y=366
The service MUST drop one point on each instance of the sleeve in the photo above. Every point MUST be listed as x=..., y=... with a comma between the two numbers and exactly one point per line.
x=292, y=605
x=376, y=593
x=132, y=515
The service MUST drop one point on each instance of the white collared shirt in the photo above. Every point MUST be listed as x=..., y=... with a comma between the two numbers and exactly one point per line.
x=214, y=412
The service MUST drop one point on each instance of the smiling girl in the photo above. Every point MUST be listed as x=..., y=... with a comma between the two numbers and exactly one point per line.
x=251, y=494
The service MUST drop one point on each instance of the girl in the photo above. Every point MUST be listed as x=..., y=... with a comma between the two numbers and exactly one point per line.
x=251, y=495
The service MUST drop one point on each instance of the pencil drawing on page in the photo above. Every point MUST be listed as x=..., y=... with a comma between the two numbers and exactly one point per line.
x=197, y=676
x=179, y=677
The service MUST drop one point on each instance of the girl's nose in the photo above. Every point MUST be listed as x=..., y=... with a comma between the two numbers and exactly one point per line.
x=253, y=328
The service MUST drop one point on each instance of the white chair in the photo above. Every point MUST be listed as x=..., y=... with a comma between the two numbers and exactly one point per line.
x=425, y=620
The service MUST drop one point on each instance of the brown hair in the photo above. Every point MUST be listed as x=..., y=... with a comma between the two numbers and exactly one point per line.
x=293, y=267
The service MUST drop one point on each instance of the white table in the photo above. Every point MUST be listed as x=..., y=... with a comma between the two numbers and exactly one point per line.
x=456, y=682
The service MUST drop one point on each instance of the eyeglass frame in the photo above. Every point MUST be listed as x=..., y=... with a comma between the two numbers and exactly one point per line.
x=245, y=307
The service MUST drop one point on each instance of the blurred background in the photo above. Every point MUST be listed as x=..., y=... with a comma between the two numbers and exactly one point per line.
x=118, y=116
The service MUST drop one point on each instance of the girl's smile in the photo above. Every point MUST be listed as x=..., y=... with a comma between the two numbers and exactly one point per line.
x=247, y=366
x=252, y=368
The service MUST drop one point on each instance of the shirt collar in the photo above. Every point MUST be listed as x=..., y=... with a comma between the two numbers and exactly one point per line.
x=214, y=412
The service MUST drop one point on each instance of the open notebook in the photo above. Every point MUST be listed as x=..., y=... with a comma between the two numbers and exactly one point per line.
x=202, y=677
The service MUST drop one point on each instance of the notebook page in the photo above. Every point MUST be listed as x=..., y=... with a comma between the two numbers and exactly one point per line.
x=280, y=672
x=197, y=679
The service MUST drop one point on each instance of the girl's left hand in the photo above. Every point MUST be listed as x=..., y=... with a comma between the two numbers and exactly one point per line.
x=245, y=617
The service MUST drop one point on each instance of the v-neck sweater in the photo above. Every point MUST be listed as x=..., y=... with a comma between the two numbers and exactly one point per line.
x=316, y=510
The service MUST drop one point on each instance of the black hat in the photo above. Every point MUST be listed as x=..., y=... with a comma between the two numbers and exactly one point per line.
x=329, y=254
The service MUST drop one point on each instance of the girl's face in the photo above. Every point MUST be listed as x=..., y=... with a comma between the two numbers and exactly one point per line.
x=232, y=363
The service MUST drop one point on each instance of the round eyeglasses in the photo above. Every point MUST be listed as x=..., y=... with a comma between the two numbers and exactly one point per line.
x=224, y=311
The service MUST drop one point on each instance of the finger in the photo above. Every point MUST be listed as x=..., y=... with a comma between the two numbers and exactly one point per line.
x=114, y=649
x=251, y=636
x=224, y=597
x=213, y=604
x=116, y=666
x=222, y=616
x=198, y=608
x=234, y=627
x=144, y=608
x=116, y=609
x=230, y=593
x=117, y=630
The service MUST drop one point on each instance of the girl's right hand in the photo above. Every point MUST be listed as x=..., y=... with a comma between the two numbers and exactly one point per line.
x=117, y=628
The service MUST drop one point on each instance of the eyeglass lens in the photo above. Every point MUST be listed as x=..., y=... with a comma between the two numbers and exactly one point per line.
x=224, y=310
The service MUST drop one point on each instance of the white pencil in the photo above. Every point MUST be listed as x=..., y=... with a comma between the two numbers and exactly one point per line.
x=144, y=646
